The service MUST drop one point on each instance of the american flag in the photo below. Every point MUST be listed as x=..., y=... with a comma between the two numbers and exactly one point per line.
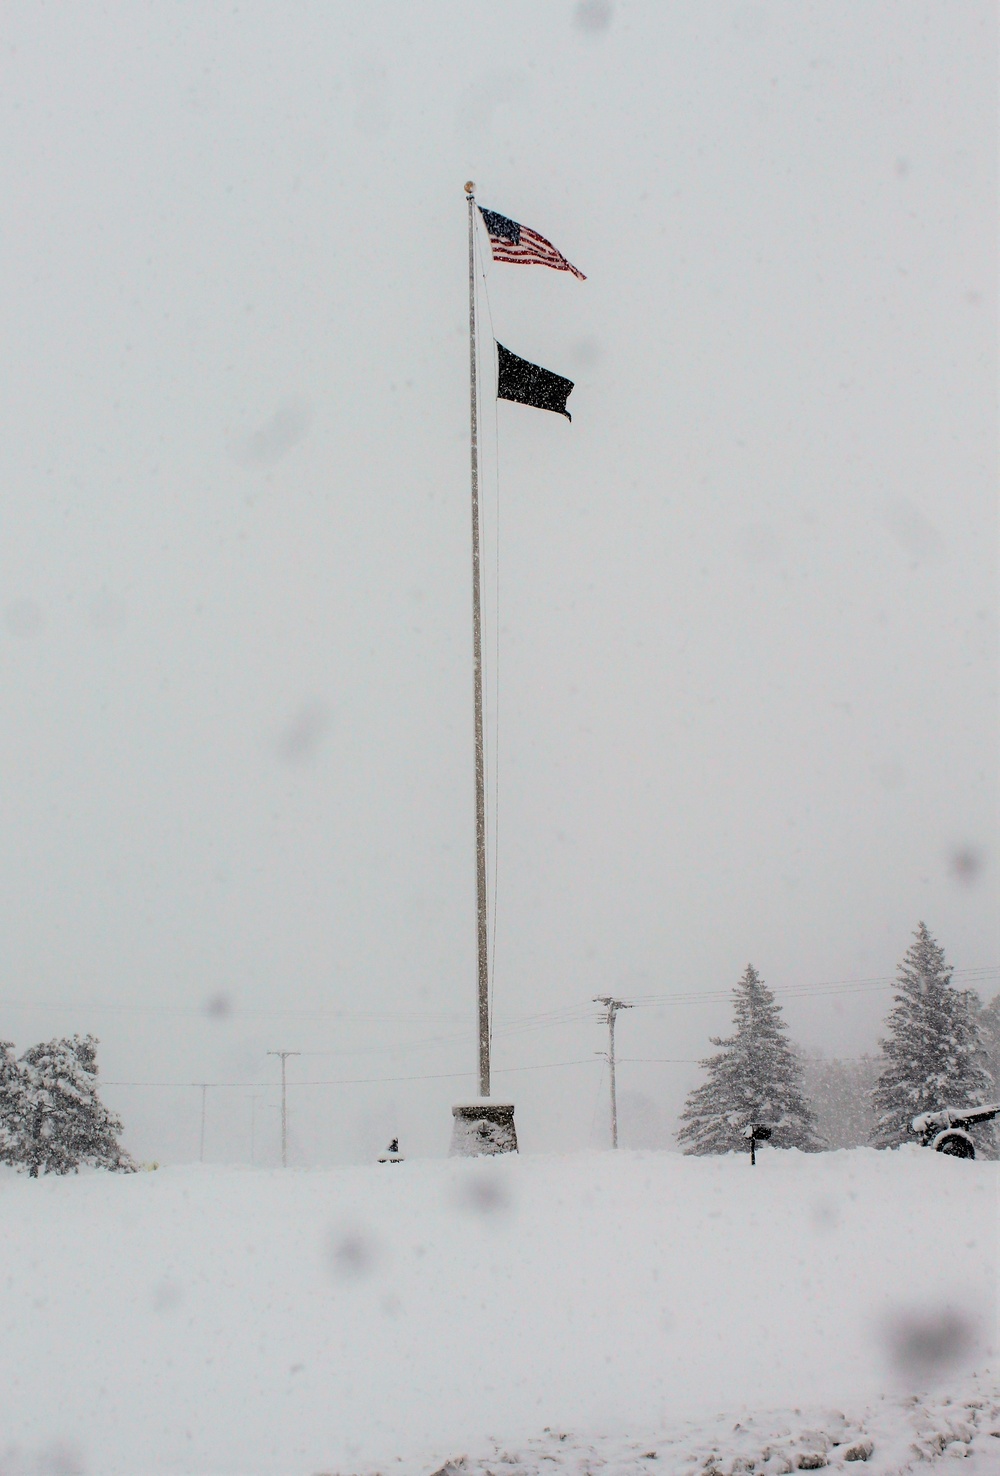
x=512, y=242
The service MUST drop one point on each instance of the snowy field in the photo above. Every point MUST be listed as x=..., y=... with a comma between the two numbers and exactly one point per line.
x=636, y=1312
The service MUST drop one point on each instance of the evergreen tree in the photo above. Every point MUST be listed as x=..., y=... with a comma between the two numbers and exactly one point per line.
x=12, y=1104
x=933, y=1055
x=755, y=1078
x=66, y=1124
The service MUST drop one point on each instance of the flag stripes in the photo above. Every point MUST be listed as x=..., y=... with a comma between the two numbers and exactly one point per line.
x=518, y=244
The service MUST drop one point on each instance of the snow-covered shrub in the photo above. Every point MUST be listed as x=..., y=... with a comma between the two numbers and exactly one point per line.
x=64, y=1123
x=12, y=1102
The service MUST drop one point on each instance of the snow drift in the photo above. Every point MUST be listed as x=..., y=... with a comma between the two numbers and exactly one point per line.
x=205, y=1320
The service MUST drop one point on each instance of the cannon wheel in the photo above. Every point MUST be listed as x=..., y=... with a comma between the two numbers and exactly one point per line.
x=956, y=1143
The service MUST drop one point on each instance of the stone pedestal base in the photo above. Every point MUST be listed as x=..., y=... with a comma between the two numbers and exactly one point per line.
x=482, y=1127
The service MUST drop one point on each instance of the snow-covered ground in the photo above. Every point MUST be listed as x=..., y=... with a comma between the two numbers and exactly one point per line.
x=636, y=1312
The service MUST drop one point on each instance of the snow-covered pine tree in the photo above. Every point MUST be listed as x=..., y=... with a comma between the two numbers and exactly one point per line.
x=932, y=1056
x=12, y=1101
x=66, y=1123
x=755, y=1078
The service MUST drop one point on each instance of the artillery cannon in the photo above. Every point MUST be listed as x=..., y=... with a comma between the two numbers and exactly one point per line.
x=945, y=1131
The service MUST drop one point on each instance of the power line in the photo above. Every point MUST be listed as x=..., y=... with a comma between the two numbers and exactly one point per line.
x=697, y=1060
x=544, y=1066
x=821, y=989
x=661, y=1060
x=393, y=1050
x=450, y=1017
x=438, y=1075
x=350, y=1080
x=573, y=1014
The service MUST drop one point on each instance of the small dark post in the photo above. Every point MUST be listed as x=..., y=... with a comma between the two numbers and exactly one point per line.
x=757, y=1133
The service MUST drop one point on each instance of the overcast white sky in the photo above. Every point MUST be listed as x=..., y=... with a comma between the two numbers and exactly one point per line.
x=747, y=704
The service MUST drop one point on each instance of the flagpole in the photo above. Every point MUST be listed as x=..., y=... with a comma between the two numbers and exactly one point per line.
x=477, y=662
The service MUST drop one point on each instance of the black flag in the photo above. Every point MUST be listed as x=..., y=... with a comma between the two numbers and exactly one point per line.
x=529, y=384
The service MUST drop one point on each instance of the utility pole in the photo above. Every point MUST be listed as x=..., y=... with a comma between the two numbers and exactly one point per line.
x=612, y=1006
x=284, y=1103
x=482, y=935
x=201, y=1138
x=253, y=1126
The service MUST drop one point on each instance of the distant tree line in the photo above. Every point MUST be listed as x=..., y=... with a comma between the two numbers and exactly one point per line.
x=840, y=1095
x=52, y=1120
x=941, y=1049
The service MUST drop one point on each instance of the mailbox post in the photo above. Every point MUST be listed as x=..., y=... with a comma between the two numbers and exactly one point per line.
x=756, y=1132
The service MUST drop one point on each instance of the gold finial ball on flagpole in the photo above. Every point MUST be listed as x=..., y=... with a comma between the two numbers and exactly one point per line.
x=470, y=186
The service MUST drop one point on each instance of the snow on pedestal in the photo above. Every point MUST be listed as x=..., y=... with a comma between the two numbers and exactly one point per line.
x=481, y=1127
